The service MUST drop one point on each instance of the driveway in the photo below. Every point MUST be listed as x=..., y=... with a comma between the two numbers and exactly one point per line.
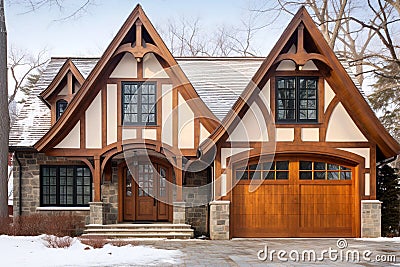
x=292, y=252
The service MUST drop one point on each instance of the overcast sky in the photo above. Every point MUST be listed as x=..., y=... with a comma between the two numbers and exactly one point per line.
x=89, y=34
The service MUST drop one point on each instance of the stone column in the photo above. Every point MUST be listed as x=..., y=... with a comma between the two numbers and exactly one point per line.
x=219, y=220
x=96, y=213
x=370, y=218
x=179, y=213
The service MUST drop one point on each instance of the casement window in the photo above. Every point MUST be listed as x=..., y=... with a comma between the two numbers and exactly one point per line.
x=139, y=103
x=65, y=186
x=61, y=106
x=296, y=99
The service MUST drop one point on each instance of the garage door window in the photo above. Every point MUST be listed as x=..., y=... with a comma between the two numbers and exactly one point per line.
x=310, y=170
x=278, y=170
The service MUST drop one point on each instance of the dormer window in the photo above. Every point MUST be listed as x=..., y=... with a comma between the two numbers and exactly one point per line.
x=296, y=99
x=61, y=106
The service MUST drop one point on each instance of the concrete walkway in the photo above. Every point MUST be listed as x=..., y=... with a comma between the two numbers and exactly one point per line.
x=245, y=252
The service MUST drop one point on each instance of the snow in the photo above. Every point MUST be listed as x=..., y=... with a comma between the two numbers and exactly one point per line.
x=31, y=251
x=381, y=239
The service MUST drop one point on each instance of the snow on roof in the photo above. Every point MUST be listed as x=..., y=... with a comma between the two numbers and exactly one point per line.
x=218, y=81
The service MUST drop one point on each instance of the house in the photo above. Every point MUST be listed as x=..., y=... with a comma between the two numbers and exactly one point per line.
x=284, y=146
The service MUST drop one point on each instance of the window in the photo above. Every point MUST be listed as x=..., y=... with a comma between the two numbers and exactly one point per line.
x=296, y=99
x=61, y=106
x=278, y=170
x=310, y=170
x=65, y=186
x=139, y=103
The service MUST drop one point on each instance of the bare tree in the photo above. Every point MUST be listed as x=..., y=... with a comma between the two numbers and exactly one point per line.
x=32, y=5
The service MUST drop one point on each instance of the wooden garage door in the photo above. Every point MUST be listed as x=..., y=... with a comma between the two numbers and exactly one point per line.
x=295, y=199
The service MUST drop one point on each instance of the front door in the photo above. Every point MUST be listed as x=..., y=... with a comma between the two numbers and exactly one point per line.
x=146, y=192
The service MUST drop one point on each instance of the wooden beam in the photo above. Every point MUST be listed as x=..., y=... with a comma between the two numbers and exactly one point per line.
x=179, y=179
x=97, y=179
x=138, y=24
x=70, y=83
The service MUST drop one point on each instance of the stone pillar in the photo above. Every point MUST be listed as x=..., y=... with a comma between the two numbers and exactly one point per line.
x=219, y=220
x=96, y=213
x=370, y=218
x=179, y=213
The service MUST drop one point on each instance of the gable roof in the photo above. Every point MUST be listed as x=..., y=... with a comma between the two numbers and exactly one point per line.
x=68, y=66
x=68, y=119
x=349, y=95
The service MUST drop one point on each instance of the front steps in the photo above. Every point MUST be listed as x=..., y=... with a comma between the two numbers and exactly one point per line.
x=150, y=230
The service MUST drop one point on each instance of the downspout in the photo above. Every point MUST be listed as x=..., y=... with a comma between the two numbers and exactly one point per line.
x=19, y=184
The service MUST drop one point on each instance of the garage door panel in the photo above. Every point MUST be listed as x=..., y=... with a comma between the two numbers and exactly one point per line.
x=295, y=208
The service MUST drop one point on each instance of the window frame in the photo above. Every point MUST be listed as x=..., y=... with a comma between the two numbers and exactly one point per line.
x=58, y=186
x=297, y=109
x=139, y=104
x=61, y=101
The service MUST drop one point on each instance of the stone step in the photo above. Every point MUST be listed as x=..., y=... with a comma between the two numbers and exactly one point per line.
x=141, y=230
x=139, y=226
x=139, y=235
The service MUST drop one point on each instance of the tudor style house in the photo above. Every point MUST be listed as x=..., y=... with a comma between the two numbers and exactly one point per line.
x=282, y=146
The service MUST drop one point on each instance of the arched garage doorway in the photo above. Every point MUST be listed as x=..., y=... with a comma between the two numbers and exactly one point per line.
x=299, y=196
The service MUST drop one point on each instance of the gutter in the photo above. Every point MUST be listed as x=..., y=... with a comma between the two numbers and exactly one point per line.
x=19, y=185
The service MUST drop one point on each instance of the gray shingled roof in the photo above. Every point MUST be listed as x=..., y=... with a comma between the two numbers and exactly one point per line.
x=34, y=118
x=218, y=82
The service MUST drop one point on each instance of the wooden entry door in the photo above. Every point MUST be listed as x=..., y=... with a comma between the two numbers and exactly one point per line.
x=146, y=193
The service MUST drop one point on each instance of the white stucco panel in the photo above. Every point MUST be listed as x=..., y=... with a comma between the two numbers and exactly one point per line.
x=73, y=139
x=152, y=68
x=128, y=134
x=367, y=184
x=309, y=65
x=167, y=131
x=265, y=95
x=329, y=95
x=228, y=152
x=64, y=91
x=252, y=127
x=185, y=124
x=310, y=134
x=204, y=134
x=341, y=128
x=93, y=129
x=363, y=152
x=149, y=134
x=111, y=113
x=223, y=184
x=286, y=65
x=284, y=134
x=126, y=68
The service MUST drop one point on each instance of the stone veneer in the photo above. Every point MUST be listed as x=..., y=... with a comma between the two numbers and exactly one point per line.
x=30, y=166
x=109, y=192
x=219, y=220
x=197, y=195
x=370, y=218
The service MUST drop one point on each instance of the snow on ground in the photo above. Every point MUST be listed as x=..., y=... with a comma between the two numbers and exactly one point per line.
x=381, y=239
x=31, y=251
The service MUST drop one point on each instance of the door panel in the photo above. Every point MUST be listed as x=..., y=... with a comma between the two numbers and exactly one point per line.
x=146, y=197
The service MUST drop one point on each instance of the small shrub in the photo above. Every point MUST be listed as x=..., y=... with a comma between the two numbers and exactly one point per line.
x=94, y=241
x=6, y=226
x=52, y=241
x=121, y=243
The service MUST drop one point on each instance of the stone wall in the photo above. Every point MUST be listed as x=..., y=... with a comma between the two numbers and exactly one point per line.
x=109, y=191
x=370, y=218
x=219, y=220
x=197, y=195
x=30, y=166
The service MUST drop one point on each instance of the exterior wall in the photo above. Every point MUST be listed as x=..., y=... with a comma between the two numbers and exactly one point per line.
x=109, y=192
x=370, y=218
x=219, y=222
x=197, y=215
x=30, y=166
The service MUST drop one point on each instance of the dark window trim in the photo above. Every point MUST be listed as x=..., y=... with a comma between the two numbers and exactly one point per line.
x=297, y=101
x=139, y=107
x=75, y=167
x=61, y=101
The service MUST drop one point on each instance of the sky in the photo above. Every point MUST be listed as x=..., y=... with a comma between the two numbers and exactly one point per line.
x=89, y=34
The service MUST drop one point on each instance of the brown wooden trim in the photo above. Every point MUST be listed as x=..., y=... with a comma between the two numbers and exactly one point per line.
x=119, y=112
x=97, y=179
x=83, y=131
x=120, y=80
x=372, y=172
